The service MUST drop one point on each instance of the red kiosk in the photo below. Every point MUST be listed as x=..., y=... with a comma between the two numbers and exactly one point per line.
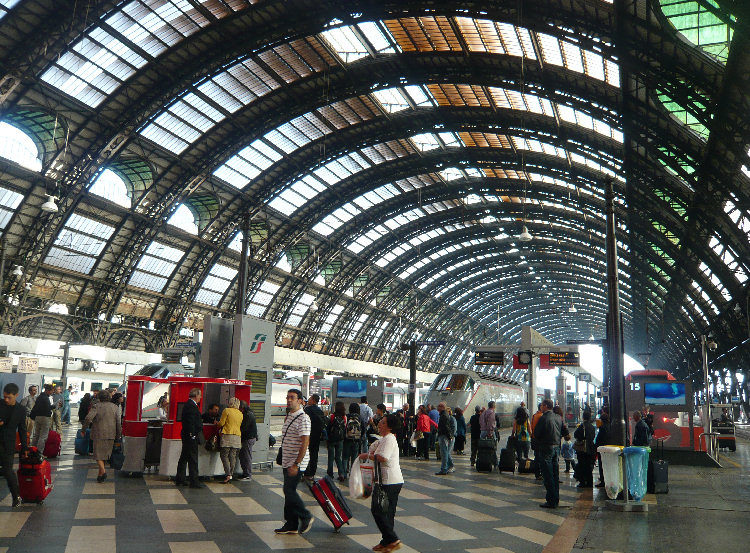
x=151, y=436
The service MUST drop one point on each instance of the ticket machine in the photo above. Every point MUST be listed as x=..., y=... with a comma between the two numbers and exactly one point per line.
x=154, y=439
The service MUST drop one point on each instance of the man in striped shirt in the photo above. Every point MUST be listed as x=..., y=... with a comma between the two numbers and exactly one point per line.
x=294, y=458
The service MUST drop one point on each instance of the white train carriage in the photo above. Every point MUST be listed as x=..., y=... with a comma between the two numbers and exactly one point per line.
x=466, y=389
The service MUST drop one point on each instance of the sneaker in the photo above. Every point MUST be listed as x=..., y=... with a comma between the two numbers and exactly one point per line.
x=248, y=477
x=440, y=473
x=286, y=530
x=451, y=469
x=17, y=503
x=305, y=525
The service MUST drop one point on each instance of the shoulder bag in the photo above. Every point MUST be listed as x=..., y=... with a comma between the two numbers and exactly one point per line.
x=581, y=446
x=380, y=501
x=279, y=455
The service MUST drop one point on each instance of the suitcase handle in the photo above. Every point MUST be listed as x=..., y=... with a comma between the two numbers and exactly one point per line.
x=661, y=456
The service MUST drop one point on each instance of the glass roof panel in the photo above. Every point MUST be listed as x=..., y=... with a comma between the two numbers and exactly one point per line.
x=79, y=244
x=18, y=146
x=98, y=63
x=9, y=202
x=6, y=5
x=216, y=284
x=700, y=26
x=109, y=185
x=184, y=219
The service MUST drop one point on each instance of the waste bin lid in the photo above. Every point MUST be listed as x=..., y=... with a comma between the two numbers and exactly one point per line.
x=636, y=450
x=613, y=449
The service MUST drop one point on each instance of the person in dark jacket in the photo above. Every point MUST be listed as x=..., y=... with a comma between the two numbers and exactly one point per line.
x=641, y=435
x=249, y=435
x=474, y=430
x=317, y=421
x=84, y=406
x=12, y=420
x=547, y=435
x=192, y=431
x=602, y=438
x=460, y=431
x=42, y=415
x=585, y=434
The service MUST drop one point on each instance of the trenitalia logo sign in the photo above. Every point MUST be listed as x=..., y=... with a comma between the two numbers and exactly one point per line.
x=258, y=342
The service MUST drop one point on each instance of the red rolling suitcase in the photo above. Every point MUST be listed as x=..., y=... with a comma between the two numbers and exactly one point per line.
x=332, y=501
x=53, y=446
x=34, y=477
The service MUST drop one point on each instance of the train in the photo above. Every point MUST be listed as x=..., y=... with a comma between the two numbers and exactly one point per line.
x=466, y=389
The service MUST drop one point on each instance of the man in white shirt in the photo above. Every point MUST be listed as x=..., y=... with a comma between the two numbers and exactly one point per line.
x=295, y=438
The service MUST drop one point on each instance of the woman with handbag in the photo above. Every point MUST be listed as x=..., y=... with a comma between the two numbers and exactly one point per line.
x=584, y=447
x=389, y=481
x=231, y=437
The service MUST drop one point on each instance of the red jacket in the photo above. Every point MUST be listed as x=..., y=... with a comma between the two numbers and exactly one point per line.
x=424, y=422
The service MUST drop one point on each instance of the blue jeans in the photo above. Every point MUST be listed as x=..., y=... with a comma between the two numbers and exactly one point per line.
x=446, y=447
x=294, y=508
x=65, y=414
x=550, y=472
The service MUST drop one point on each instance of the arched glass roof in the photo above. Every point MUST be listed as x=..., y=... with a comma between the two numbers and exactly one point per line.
x=387, y=160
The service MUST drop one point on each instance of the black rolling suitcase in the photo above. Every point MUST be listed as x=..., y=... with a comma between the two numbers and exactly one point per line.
x=507, y=460
x=486, y=455
x=657, y=478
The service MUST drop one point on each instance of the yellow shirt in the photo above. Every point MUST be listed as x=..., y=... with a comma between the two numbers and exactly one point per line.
x=231, y=420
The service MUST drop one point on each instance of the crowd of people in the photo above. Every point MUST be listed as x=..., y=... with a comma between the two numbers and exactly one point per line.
x=349, y=433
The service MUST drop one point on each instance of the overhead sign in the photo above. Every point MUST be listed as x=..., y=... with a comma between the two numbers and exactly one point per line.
x=489, y=358
x=6, y=365
x=584, y=377
x=28, y=365
x=412, y=388
x=430, y=343
x=565, y=358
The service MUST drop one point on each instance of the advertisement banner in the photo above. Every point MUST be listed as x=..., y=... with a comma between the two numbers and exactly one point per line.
x=6, y=365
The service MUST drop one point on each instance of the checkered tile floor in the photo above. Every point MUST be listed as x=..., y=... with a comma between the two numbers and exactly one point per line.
x=462, y=512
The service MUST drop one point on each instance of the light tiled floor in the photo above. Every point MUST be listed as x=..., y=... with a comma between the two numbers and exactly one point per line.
x=12, y=522
x=91, y=539
x=95, y=508
x=179, y=521
x=193, y=547
x=278, y=542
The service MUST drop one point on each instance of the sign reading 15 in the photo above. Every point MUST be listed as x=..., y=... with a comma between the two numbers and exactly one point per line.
x=635, y=386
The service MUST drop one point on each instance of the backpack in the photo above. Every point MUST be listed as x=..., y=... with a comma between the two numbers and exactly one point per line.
x=336, y=429
x=353, y=429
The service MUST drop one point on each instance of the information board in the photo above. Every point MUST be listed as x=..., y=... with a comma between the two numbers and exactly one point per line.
x=489, y=358
x=6, y=365
x=565, y=358
x=28, y=365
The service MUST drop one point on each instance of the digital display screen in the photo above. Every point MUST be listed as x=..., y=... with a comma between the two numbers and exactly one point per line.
x=489, y=358
x=351, y=388
x=564, y=358
x=664, y=393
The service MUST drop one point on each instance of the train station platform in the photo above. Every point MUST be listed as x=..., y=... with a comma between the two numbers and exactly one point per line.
x=467, y=512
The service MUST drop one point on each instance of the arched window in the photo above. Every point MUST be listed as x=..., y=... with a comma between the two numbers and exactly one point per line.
x=110, y=185
x=184, y=219
x=17, y=146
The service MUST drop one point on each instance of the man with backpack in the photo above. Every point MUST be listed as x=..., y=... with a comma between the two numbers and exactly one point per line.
x=317, y=425
x=352, y=438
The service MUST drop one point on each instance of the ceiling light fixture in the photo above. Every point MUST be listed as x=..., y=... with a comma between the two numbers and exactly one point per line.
x=572, y=309
x=50, y=206
x=525, y=235
x=18, y=271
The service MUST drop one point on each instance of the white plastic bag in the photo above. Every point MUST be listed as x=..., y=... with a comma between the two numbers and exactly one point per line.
x=367, y=470
x=413, y=439
x=356, y=485
x=612, y=469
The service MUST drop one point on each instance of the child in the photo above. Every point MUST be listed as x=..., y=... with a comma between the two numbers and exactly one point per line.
x=569, y=454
